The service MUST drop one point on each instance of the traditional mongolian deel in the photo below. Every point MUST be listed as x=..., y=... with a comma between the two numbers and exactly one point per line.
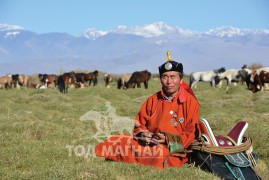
x=164, y=127
x=155, y=116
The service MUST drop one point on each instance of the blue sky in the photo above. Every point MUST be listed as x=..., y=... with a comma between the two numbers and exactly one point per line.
x=75, y=16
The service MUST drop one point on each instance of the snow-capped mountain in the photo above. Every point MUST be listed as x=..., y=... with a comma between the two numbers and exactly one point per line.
x=231, y=32
x=93, y=34
x=126, y=49
x=147, y=31
x=161, y=28
x=10, y=30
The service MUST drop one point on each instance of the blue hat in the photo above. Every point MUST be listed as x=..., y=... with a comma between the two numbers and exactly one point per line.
x=170, y=65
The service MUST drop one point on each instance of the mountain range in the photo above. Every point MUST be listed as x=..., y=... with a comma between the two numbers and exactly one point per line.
x=127, y=49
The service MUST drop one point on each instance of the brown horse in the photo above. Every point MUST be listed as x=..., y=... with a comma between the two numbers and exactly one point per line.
x=91, y=77
x=85, y=77
x=64, y=81
x=48, y=78
x=258, y=81
x=7, y=81
x=137, y=78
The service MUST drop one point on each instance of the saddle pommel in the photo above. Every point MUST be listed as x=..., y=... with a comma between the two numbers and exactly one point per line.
x=235, y=136
x=238, y=132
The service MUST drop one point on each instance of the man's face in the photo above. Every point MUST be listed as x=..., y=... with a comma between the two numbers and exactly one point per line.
x=171, y=82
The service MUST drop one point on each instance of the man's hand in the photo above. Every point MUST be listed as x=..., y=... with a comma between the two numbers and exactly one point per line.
x=158, y=139
x=146, y=137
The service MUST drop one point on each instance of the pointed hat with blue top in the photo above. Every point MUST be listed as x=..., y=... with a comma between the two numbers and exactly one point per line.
x=170, y=65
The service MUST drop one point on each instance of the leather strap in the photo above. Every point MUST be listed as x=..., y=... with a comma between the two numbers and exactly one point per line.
x=228, y=137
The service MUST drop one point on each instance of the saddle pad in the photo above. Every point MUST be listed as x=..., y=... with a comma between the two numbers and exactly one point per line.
x=220, y=166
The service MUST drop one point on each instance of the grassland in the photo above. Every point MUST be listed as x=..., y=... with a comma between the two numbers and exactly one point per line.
x=42, y=136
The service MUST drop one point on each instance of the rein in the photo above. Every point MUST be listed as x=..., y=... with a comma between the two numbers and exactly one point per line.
x=200, y=145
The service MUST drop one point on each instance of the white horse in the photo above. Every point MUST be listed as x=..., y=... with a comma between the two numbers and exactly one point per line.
x=208, y=76
x=231, y=75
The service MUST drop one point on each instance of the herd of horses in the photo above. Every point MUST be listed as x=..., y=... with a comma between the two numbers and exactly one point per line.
x=79, y=80
x=63, y=81
x=15, y=80
x=256, y=80
x=50, y=80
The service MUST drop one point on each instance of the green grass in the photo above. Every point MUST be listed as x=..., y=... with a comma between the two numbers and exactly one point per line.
x=40, y=130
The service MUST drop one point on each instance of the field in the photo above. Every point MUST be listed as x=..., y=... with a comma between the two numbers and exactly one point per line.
x=42, y=136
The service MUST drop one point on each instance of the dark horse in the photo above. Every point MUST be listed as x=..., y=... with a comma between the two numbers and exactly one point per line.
x=137, y=78
x=64, y=80
x=48, y=78
x=15, y=80
x=85, y=77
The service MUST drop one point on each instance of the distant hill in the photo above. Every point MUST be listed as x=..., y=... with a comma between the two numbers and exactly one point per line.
x=126, y=49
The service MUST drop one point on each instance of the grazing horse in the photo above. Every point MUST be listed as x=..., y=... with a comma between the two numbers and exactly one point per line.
x=85, y=77
x=218, y=82
x=24, y=80
x=207, y=76
x=7, y=81
x=48, y=78
x=264, y=78
x=258, y=81
x=245, y=76
x=255, y=82
x=91, y=77
x=107, y=80
x=123, y=80
x=64, y=81
x=137, y=78
x=80, y=77
x=231, y=75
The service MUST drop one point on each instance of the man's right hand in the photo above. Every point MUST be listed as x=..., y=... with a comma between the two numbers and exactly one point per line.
x=146, y=137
